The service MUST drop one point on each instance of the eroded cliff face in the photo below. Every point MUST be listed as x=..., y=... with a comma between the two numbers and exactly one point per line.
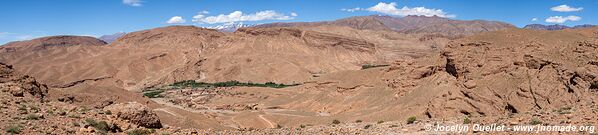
x=313, y=38
x=516, y=71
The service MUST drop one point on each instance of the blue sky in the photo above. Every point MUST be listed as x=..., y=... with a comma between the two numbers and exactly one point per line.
x=26, y=19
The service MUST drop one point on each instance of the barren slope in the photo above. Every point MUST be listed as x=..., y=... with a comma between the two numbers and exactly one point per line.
x=169, y=54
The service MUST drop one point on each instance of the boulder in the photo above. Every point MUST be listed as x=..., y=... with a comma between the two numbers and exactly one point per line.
x=135, y=113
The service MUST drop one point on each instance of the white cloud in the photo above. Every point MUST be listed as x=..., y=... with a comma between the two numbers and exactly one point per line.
x=176, y=19
x=534, y=19
x=135, y=3
x=391, y=9
x=565, y=8
x=293, y=14
x=238, y=16
x=203, y=12
x=561, y=19
x=351, y=9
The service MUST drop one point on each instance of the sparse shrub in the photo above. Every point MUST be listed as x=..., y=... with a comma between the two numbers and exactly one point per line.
x=535, y=121
x=336, y=122
x=14, y=129
x=139, y=132
x=391, y=126
x=367, y=126
x=32, y=117
x=35, y=109
x=101, y=126
x=76, y=124
x=278, y=126
x=358, y=121
x=22, y=108
x=61, y=112
x=380, y=122
x=51, y=112
x=90, y=121
x=411, y=120
x=302, y=126
x=84, y=110
x=466, y=120
x=564, y=110
x=74, y=116
x=108, y=112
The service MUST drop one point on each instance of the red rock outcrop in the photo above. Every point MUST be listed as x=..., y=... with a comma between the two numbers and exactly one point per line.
x=20, y=85
x=517, y=71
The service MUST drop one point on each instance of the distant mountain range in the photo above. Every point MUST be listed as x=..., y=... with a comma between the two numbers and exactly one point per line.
x=555, y=27
x=410, y=25
x=112, y=38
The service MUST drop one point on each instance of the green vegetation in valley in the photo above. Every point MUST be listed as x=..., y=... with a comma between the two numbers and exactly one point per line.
x=193, y=84
x=366, y=66
x=155, y=93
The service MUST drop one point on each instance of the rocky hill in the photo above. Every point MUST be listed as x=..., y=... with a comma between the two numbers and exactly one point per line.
x=169, y=37
x=50, y=42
